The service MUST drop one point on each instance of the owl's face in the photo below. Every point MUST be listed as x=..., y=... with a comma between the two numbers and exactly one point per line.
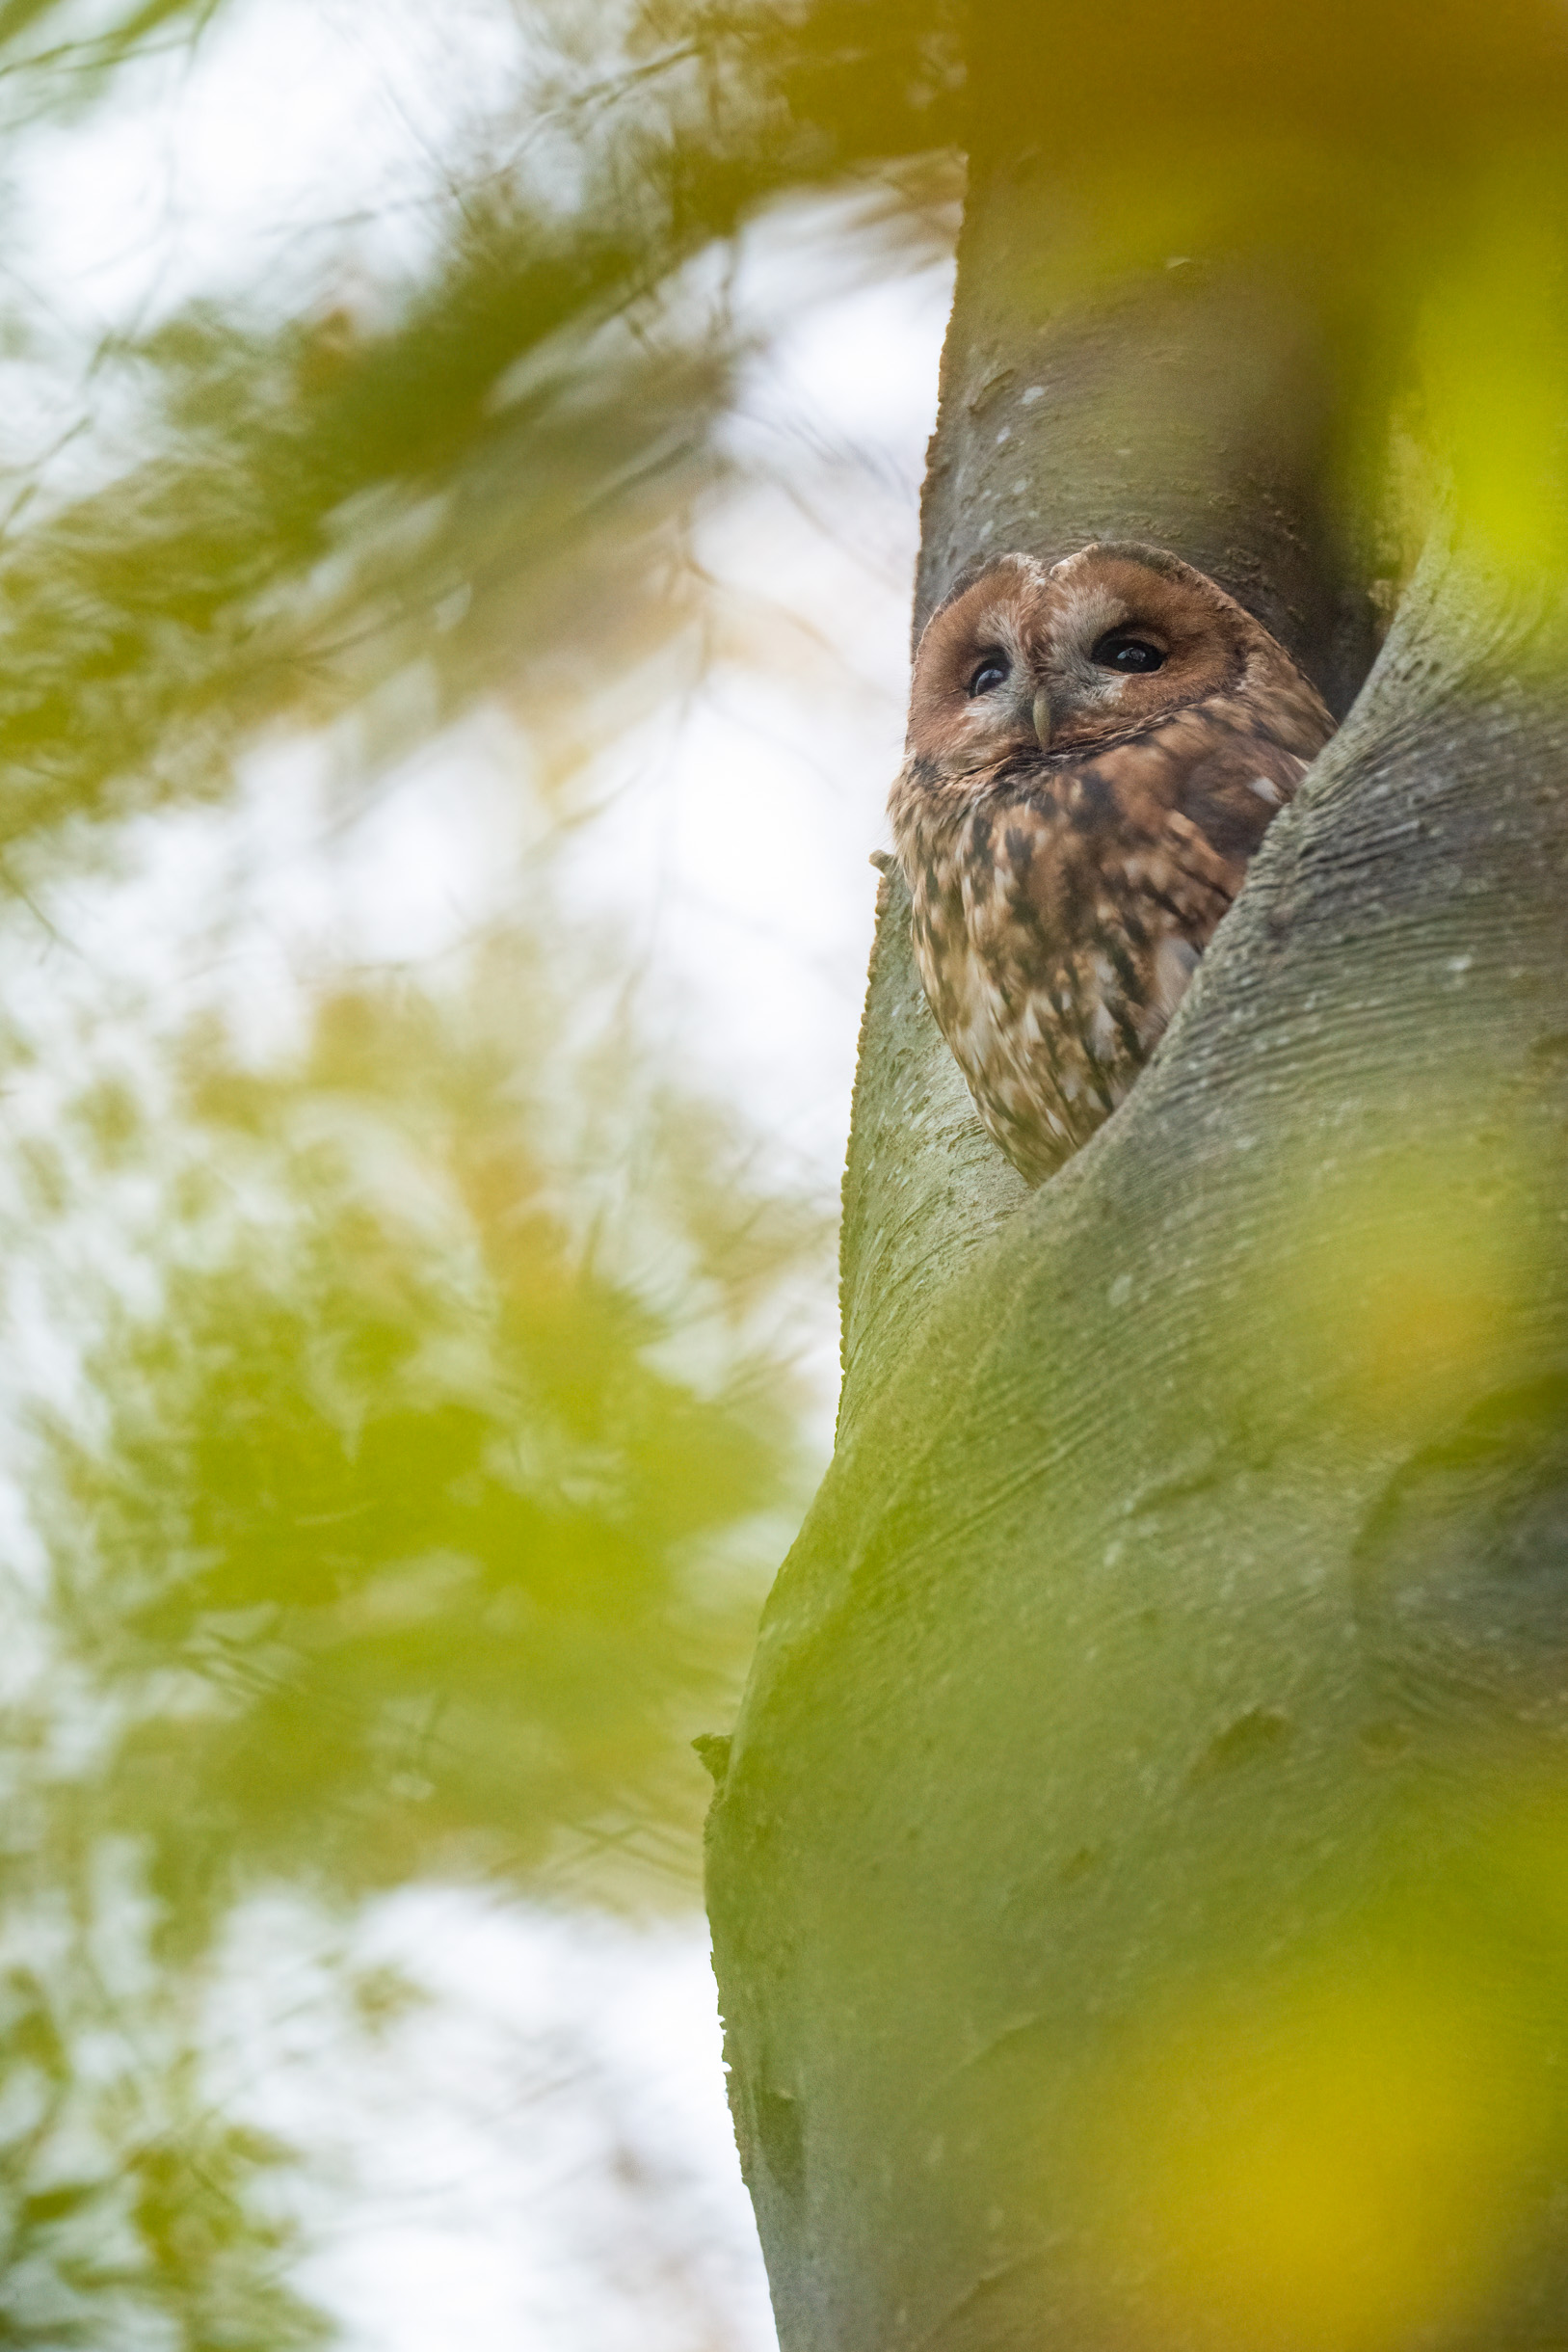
x=1026, y=662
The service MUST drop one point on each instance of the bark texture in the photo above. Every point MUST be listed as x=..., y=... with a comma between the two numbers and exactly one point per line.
x=1177, y=1638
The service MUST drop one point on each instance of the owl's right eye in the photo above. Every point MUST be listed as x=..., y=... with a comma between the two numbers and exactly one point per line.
x=991, y=671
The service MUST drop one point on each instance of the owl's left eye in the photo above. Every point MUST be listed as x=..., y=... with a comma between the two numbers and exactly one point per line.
x=1134, y=655
x=991, y=671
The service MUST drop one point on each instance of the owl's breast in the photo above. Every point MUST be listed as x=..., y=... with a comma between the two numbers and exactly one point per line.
x=1002, y=930
x=1060, y=911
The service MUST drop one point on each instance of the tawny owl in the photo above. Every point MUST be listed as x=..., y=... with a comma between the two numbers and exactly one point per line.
x=1094, y=751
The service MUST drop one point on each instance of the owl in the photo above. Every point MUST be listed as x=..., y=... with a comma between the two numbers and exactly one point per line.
x=1094, y=751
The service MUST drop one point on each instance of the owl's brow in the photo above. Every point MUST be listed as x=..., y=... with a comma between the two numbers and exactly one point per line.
x=970, y=576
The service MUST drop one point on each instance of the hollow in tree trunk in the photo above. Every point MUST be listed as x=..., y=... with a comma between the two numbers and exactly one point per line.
x=1140, y=1876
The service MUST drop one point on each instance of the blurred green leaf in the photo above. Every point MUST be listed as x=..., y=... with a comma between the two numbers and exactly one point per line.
x=489, y=485
x=431, y=1423
x=392, y=1546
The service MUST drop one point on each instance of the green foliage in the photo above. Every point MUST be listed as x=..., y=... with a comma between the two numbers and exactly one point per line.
x=129, y=2213
x=513, y=438
x=429, y=1425
x=58, y=61
x=395, y=1546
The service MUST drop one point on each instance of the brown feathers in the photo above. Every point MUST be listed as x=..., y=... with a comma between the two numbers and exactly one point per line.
x=1094, y=753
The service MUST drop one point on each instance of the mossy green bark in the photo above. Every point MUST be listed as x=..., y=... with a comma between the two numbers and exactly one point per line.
x=1181, y=1637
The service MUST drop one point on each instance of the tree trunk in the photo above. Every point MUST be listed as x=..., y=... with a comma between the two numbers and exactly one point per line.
x=1138, y=1879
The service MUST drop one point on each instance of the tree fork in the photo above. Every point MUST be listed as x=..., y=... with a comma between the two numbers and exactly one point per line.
x=1126, y=1815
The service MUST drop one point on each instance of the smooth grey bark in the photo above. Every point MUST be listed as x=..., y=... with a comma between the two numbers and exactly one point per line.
x=1189, y=1572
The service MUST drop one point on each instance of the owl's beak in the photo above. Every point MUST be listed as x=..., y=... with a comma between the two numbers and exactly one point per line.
x=1042, y=719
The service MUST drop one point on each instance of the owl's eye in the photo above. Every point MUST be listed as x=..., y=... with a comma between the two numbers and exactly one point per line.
x=1120, y=652
x=991, y=671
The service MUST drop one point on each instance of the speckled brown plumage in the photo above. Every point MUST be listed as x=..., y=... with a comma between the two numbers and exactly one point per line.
x=1073, y=828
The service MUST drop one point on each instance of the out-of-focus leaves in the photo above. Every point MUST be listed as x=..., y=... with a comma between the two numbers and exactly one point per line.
x=395, y=1551
x=207, y=2241
x=491, y=485
x=57, y=56
x=127, y=2213
x=411, y=1498
x=308, y=537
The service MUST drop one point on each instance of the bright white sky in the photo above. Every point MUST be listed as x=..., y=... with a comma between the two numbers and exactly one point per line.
x=477, y=2210
x=536, y=2159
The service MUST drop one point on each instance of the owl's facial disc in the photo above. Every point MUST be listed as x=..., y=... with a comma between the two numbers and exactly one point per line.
x=1126, y=652
x=1118, y=645
x=1022, y=662
x=973, y=699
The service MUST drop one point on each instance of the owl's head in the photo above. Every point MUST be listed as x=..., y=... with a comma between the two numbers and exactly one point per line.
x=1024, y=662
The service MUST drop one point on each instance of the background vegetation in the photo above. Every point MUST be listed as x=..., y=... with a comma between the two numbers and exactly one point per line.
x=402, y=1359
